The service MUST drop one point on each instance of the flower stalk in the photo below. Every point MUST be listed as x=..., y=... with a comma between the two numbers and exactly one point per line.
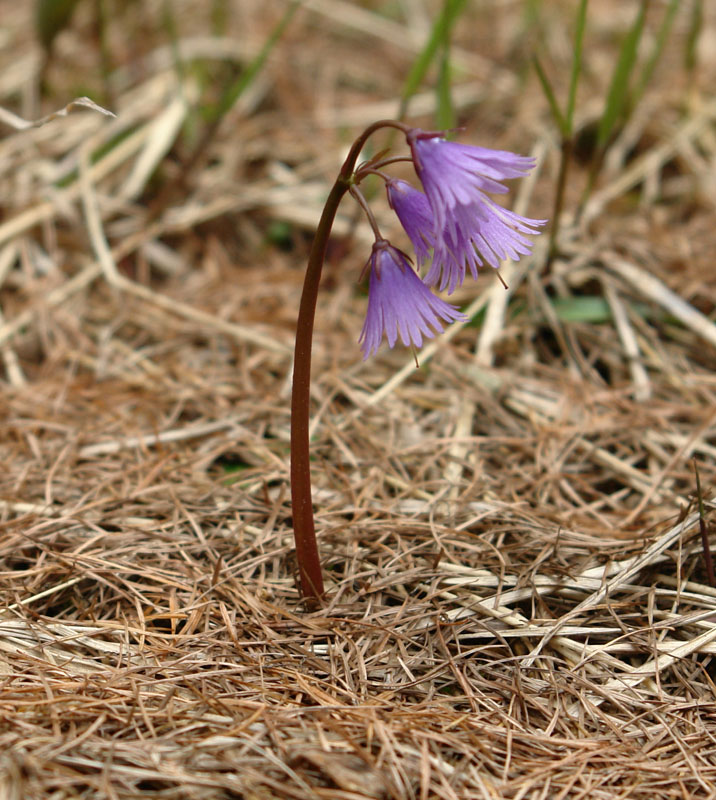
x=309, y=565
x=304, y=529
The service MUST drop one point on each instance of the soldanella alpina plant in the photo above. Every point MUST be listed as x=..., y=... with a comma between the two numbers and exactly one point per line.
x=453, y=223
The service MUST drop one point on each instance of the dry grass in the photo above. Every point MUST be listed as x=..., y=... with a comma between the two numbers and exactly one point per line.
x=518, y=605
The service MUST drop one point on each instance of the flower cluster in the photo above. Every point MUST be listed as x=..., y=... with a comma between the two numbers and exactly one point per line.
x=454, y=221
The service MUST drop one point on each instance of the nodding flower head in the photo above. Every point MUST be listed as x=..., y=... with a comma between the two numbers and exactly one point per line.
x=399, y=303
x=469, y=228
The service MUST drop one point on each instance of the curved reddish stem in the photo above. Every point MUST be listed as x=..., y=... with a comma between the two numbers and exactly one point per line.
x=309, y=565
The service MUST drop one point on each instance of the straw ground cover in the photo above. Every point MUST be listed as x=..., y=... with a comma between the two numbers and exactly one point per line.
x=518, y=602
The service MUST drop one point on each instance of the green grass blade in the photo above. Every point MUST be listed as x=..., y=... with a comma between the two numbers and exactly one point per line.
x=619, y=87
x=446, y=117
x=531, y=14
x=576, y=65
x=661, y=39
x=219, y=16
x=170, y=26
x=565, y=121
x=559, y=118
x=696, y=24
x=246, y=78
x=439, y=34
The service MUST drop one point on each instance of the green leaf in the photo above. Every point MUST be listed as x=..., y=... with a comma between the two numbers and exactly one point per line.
x=583, y=308
x=595, y=309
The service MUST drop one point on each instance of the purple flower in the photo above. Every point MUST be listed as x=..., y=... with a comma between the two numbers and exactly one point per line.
x=415, y=215
x=469, y=228
x=399, y=303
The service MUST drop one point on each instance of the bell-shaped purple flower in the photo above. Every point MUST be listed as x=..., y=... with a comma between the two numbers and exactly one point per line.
x=415, y=215
x=399, y=303
x=469, y=228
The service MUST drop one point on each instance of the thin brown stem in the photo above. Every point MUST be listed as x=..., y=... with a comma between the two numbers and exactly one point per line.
x=373, y=167
x=564, y=164
x=309, y=565
x=357, y=195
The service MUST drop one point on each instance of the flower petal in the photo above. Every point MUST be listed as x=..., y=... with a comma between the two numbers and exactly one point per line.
x=470, y=228
x=399, y=303
x=415, y=215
